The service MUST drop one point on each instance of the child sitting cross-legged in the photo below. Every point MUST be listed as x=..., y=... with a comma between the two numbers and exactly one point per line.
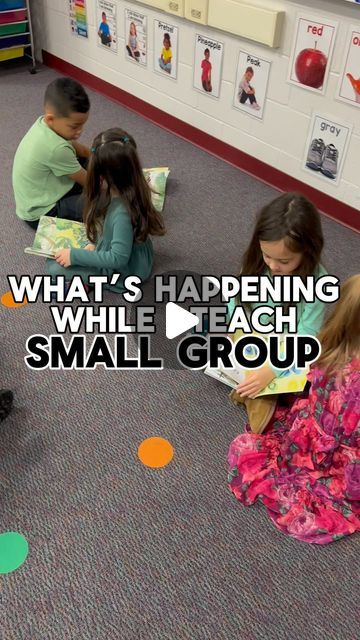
x=48, y=172
x=287, y=240
x=306, y=468
x=119, y=216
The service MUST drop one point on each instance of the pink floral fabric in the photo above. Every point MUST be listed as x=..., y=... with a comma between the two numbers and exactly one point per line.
x=306, y=468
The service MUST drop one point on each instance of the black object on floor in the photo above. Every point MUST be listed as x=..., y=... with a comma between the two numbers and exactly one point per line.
x=6, y=402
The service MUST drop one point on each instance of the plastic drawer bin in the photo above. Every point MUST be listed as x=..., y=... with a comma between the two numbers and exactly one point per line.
x=6, y=5
x=11, y=29
x=12, y=16
x=12, y=41
x=9, y=54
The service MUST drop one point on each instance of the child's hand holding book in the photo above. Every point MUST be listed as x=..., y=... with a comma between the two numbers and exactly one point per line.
x=63, y=257
x=255, y=382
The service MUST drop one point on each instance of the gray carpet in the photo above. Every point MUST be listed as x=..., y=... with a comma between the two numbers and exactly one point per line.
x=117, y=550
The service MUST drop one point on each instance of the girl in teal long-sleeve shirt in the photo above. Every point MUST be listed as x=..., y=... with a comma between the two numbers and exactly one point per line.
x=287, y=240
x=119, y=216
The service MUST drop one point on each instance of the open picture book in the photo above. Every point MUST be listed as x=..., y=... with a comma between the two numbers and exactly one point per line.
x=292, y=380
x=54, y=234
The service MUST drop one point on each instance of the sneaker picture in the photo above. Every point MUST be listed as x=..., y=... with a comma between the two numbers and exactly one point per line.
x=315, y=154
x=330, y=161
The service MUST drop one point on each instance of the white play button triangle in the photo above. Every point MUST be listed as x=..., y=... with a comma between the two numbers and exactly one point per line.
x=178, y=320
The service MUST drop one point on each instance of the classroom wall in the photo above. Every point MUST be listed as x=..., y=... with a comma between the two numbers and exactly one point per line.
x=278, y=140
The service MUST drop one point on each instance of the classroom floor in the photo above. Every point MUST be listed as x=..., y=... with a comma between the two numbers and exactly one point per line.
x=118, y=550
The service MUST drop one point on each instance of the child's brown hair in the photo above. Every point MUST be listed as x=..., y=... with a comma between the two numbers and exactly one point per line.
x=115, y=162
x=340, y=335
x=295, y=219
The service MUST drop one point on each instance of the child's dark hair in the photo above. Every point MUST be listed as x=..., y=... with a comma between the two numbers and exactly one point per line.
x=103, y=15
x=296, y=220
x=115, y=160
x=167, y=37
x=66, y=96
x=249, y=70
x=207, y=51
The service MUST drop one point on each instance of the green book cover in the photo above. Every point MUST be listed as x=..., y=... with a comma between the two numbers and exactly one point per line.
x=57, y=233
x=157, y=178
x=54, y=234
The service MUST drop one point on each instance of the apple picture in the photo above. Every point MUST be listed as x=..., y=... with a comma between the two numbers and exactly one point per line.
x=310, y=67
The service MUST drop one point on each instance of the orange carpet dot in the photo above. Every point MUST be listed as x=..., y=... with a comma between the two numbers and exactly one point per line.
x=155, y=452
x=8, y=301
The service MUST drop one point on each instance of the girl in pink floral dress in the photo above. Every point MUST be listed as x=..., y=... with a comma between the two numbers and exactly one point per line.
x=306, y=468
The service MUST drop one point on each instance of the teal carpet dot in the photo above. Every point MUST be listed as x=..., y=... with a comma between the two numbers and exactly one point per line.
x=14, y=549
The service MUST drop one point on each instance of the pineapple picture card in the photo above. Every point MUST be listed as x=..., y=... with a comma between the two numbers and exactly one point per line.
x=208, y=65
x=326, y=147
x=349, y=80
x=314, y=41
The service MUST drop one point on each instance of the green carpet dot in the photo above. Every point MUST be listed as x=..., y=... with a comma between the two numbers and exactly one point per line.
x=14, y=549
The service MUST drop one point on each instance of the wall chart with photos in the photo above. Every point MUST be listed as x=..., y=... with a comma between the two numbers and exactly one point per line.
x=128, y=29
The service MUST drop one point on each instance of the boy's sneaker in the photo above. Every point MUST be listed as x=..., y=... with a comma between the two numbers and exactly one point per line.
x=315, y=154
x=255, y=106
x=330, y=160
x=6, y=401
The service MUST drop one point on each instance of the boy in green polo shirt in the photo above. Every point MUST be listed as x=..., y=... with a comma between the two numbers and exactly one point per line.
x=47, y=175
